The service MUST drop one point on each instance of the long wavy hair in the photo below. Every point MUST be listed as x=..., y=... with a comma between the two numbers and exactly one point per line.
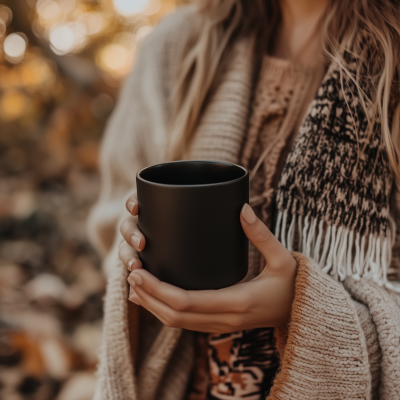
x=221, y=22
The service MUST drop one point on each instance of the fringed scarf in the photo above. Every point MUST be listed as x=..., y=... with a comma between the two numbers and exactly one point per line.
x=338, y=219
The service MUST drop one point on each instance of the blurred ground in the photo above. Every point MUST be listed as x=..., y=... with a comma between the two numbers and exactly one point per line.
x=61, y=65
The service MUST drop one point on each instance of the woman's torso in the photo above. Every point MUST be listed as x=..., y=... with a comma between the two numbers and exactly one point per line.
x=243, y=364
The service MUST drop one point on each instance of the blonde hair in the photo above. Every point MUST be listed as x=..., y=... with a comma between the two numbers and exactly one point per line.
x=220, y=22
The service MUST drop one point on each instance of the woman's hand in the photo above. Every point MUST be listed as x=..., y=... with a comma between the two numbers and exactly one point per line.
x=265, y=301
x=134, y=240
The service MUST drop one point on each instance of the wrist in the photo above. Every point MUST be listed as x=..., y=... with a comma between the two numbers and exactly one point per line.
x=289, y=273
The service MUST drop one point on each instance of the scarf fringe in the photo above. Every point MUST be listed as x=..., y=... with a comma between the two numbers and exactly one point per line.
x=344, y=253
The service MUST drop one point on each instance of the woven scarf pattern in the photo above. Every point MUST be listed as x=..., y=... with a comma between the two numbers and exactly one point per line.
x=340, y=219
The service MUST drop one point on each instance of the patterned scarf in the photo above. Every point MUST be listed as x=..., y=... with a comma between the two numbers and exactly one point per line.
x=339, y=220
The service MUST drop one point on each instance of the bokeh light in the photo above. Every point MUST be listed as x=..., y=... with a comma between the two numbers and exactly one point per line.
x=93, y=22
x=115, y=58
x=37, y=73
x=2, y=28
x=49, y=10
x=14, y=47
x=130, y=7
x=66, y=38
x=67, y=6
x=12, y=105
x=61, y=39
x=5, y=14
x=153, y=7
x=62, y=63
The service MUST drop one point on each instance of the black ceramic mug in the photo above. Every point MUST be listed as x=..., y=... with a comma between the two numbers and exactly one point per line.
x=189, y=213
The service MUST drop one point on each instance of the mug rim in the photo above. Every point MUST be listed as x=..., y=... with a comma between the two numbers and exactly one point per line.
x=246, y=173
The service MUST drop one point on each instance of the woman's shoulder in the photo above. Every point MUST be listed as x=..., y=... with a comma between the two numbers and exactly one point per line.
x=158, y=55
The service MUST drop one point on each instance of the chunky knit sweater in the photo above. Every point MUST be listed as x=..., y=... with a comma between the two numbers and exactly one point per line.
x=342, y=340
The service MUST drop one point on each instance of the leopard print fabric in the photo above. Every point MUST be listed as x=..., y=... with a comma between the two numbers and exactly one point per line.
x=242, y=364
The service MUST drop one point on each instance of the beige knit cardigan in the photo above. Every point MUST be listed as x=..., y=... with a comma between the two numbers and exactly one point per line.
x=343, y=340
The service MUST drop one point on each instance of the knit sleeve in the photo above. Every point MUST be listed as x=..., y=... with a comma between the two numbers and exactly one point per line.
x=384, y=308
x=134, y=138
x=342, y=340
x=394, y=269
x=136, y=133
x=124, y=151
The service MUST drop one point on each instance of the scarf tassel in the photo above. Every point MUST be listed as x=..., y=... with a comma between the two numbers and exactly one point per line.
x=338, y=251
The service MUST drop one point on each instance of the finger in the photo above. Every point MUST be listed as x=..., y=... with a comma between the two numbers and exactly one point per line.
x=195, y=321
x=233, y=299
x=270, y=247
x=132, y=204
x=129, y=257
x=132, y=234
x=133, y=296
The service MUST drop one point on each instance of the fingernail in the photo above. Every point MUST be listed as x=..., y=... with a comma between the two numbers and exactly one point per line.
x=131, y=281
x=132, y=295
x=248, y=214
x=131, y=206
x=136, y=242
x=137, y=278
x=130, y=263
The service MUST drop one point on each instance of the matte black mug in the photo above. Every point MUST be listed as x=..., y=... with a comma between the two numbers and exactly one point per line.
x=189, y=213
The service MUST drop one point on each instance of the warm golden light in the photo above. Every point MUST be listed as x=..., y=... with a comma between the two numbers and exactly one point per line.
x=62, y=65
x=2, y=28
x=153, y=7
x=49, y=10
x=37, y=73
x=14, y=47
x=80, y=34
x=67, y=6
x=62, y=39
x=12, y=105
x=93, y=22
x=66, y=38
x=115, y=59
x=130, y=7
x=5, y=14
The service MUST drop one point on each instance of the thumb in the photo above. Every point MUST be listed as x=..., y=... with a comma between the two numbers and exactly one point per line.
x=264, y=241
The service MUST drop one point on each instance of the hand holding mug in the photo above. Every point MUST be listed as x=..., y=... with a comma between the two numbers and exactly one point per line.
x=264, y=301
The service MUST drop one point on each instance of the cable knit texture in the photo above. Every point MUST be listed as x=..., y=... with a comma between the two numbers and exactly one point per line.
x=337, y=334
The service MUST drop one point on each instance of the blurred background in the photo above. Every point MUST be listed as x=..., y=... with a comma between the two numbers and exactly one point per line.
x=62, y=63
